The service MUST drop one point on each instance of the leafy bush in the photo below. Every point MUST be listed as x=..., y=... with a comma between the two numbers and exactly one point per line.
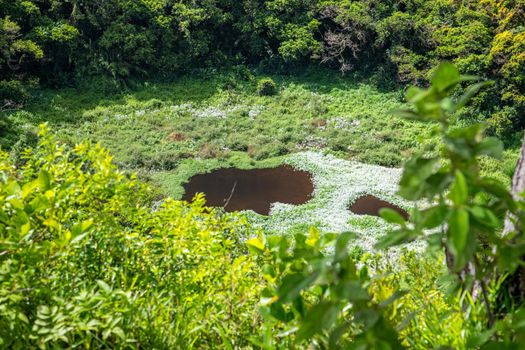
x=13, y=93
x=314, y=297
x=266, y=87
x=85, y=261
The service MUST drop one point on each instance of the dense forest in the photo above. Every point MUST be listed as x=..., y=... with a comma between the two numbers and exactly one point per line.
x=62, y=42
x=352, y=174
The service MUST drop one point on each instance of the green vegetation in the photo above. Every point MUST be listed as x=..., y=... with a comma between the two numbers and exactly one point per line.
x=397, y=41
x=89, y=259
x=108, y=107
x=324, y=296
x=86, y=261
x=266, y=87
x=199, y=123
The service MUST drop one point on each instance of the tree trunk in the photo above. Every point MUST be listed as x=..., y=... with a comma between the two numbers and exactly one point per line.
x=515, y=284
x=518, y=186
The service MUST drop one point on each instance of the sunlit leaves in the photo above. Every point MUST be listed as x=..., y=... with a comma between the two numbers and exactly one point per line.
x=255, y=244
x=80, y=240
x=392, y=216
x=452, y=180
x=464, y=210
x=316, y=294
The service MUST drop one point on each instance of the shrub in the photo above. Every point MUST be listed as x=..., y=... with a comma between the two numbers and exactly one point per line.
x=502, y=121
x=13, y=93
x=85, y=262
x=266, y=87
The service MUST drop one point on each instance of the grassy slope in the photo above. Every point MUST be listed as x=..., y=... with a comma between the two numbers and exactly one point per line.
x=170, y=131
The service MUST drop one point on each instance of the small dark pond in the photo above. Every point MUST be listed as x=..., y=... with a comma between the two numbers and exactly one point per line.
x=370, y=205
x=255, y=189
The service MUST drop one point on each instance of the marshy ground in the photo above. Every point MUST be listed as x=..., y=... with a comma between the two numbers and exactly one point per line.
x=341, y=130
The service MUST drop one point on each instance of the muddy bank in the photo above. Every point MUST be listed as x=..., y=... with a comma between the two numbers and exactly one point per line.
x=370, y=205
x=255, y=189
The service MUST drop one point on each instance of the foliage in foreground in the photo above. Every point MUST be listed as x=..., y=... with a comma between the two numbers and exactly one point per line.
x=85, y=261
x=322, y=298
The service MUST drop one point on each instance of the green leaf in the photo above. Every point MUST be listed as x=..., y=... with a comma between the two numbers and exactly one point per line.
x=408, y=114
x=22, y=317
x=415, y=94
x=445, y=77
x=395, y=296
x=469, y=93
x=278, y=312
x=44, y=180
x=353, y=291
x=500, y=191
x=392, y=216
x=318, y=318
x=395, y=238
x=416, y=172
x=313, y=237
x=491, y=147
x=29, y=187
x=104, y=286
x=433, y=216
x=461, y=241
x=341, y=245
x=459, y=190
x=291, y=285
x=485, y=216
x=256, y=245
x=81, y=227
x=368, y=317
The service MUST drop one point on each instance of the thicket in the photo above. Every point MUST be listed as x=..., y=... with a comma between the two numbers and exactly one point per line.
x=397, y=41
x=88, y=260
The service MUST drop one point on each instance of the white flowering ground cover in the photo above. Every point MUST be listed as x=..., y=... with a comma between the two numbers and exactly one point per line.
x=337, y=184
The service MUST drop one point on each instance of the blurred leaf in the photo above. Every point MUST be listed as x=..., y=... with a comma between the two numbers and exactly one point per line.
x=394, y=238
x=291, y=285
x=392, y=216
x=469, y=93
x=459, y=190
x=416, y=171
x=104, y=286
x=445, y=77
x=353, y=291
x=461, y=241
x=433, y=216
x=44, y=180
x=395, y=296
x=255, y=245
x=320, y=317
x=341, y=245
x=491, y=147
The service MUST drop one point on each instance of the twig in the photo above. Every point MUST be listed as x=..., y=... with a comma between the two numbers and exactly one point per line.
x=230, y=197
x=485, y=295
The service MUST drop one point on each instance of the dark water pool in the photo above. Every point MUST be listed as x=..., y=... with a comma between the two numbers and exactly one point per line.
x=370, y=205
x=255, y=189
